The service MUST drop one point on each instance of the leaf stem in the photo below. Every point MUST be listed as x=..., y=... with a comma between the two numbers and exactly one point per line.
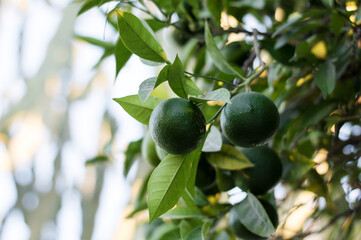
x=210, y=78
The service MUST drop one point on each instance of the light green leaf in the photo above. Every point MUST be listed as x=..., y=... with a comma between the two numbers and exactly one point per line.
x=229, y=158
x=213, y=141
x=221, y=95
x=254, y=216
x=96, y=42
x=215, y=54
x=156, y=25
x=139, y=110
x=146, y=88
x=137, y=38
x=192, y=88
x=182, y=212
x=176, y=78
x=167, y=183
x=325, y=77
x=122, y=55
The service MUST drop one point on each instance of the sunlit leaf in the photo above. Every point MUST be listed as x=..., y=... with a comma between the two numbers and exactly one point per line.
x=167, y=183
x=137, y=38
x=138, y=109
x=213, y=141
x=122, y=55
x=221, y=95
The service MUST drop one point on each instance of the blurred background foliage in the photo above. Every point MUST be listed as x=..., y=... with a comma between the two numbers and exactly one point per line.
x=62, y=139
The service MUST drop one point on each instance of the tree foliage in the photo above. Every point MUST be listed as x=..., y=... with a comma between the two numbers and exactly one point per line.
x=304, y=55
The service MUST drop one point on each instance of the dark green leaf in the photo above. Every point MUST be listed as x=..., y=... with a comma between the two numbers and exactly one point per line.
x=195, y=156
x=216, y=8
x=133, y=150
x=255, y=218
x=325, y=77
x=167, y=183
x=139, y=110
x=229, y=158
x=221, y=95
x=315, y=114
x=328, y=3
x=337, y=23
x=122, y=55
x=200, y=232
x=176, y=78
x=97, y=159
x=303, y=50
x=137, y=38
x=299, y=165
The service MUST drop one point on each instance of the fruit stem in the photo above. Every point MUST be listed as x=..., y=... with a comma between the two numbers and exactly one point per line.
x=216, y=115
x=210, y=78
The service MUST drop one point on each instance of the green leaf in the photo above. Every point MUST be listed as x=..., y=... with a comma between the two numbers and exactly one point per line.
x=176, y=78
x=182, y=212
x=122, y=55
x=167, y=183
x=192, y=88
x=97, y=159
x=139, y=110
x=195, y=156
x=256, y=4
x=165, y=231
x=156, y=25
x=88, y=4
x=337, y=23
x=137, y=38
x=299, y=165
x=216, y=8
x=140, y=203
x=315, y=114
x=163, y=75
x=229, y=158
x=133, y=150
x=146, y=88
x=221, y=95
x=200, y=232
x=168, y=5
x=328, y=3
x=303, y=50
x=96, y=42
x=199, y=198
x=213, y=141
x=254, y=216
x=325, y=77
x=216, y=55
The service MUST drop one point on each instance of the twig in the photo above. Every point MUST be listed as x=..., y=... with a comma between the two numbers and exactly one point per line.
x=210, y=78
x=217, y=113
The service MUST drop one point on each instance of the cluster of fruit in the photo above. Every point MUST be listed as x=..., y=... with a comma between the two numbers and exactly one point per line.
x=178, y=126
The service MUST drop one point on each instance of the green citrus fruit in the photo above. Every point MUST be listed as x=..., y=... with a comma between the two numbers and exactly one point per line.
x=250, y=120
x=241, y=231
x=148, y=150
x=206, y=177
x=265, y=173
x=177, y=125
